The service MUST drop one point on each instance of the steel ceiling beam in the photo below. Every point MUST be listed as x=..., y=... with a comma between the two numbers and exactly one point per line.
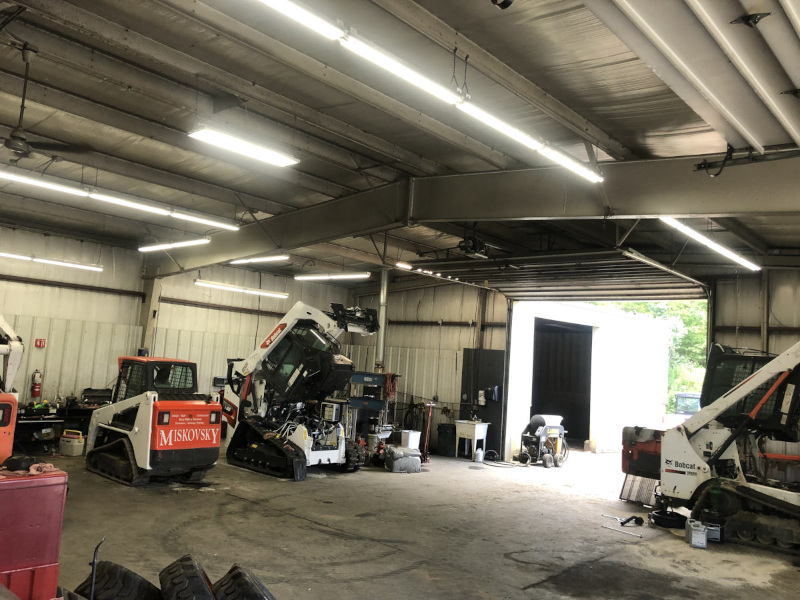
x=324, y=222
x=743, y=233
x=753, y=59
x=345, y=252
x=642, y=189
x=633, y=38
x=287, y=111
x=682, y=39
x=460, y=231
x=447, y=37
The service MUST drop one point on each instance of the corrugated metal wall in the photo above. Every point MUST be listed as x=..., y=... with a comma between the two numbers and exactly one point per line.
x=429, y=356
x=85, y=330
x=738, y=317
x=209, y=336
x=78, y=354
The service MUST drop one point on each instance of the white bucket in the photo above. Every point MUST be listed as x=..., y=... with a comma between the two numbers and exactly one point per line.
x=410, y=438
x=478, y=457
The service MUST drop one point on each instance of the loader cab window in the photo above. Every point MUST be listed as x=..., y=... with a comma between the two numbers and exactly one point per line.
x=131, y=381
x=729, y=372
x=177, y=377
x=310, y=337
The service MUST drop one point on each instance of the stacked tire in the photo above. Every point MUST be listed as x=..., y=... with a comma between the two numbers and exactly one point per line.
x=183, y=579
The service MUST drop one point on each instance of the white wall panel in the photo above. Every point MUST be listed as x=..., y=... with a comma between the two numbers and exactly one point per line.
x=85, y=331
x=78, y=354
x=739, y=302
x=455, y=303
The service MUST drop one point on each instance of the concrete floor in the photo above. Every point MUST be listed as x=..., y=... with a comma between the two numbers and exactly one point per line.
x=456, y=530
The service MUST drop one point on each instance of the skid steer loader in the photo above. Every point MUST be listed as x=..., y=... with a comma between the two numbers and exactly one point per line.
x=279, y=399
x=715, y=462
x=157, y=424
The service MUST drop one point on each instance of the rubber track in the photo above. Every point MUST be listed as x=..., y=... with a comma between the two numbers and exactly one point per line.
x=185, y=579
x=355, y=456
x=239, y=583
x=115, y=582
x=139, y=476
x=735, y=539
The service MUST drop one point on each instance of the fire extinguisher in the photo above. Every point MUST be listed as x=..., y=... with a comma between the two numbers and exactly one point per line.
x=36, y=386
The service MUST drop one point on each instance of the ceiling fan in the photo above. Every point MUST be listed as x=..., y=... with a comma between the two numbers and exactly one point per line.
x=16, y=141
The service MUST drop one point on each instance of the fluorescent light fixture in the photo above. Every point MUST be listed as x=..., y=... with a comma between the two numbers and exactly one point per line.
x=15, y=256
x=245, y=148
x=236, y=288
x=306, y=18
x=260, y=259
x=128, y=204
x=395, y=67
x=699, y=237
x=508, y=130
x=329, y=276
x=204, y=221
x=71, y=265
x=570, y=163
x=43, y=184
x=48, y=261
x=170, y=245
x=404, y=266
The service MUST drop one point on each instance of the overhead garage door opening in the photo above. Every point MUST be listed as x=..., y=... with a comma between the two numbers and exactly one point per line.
x=562, y=374
x=597, y=368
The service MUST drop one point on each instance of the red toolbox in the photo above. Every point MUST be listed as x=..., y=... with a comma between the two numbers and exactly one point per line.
x=31, y=515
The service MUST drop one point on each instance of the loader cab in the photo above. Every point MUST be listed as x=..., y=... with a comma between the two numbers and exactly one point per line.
x=173, y=379
x=306, y=365
x=728, y=367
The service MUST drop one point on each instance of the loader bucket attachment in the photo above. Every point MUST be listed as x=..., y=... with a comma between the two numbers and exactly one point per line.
x=258, y=449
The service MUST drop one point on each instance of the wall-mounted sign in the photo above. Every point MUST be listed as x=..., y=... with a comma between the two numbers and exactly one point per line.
x=39, y=343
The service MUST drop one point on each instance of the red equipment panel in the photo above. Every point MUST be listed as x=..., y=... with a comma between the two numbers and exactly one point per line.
x=30, y=533
x=8, y=418
x=181, y=425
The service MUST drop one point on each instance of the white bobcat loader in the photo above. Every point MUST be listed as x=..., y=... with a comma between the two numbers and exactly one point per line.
x=715, y=463
x=279, y=401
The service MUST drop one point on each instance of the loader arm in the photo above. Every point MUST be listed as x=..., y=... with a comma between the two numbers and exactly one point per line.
x=782, y=363
x=329, y=325
x=11, y=350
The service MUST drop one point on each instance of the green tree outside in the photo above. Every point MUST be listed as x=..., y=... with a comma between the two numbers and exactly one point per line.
x=687, y=350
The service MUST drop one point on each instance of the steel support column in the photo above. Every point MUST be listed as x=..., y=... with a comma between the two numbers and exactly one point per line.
x=380, y=339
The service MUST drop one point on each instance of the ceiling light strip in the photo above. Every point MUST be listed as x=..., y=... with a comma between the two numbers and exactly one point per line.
x=260, y=259
x=364, y=49
x=55, y=185
x=43, y=183
x=51, y=261
x=243, y=147
x=708, y=243
x=171, y=245
x=332, y=276
x=243, y=290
